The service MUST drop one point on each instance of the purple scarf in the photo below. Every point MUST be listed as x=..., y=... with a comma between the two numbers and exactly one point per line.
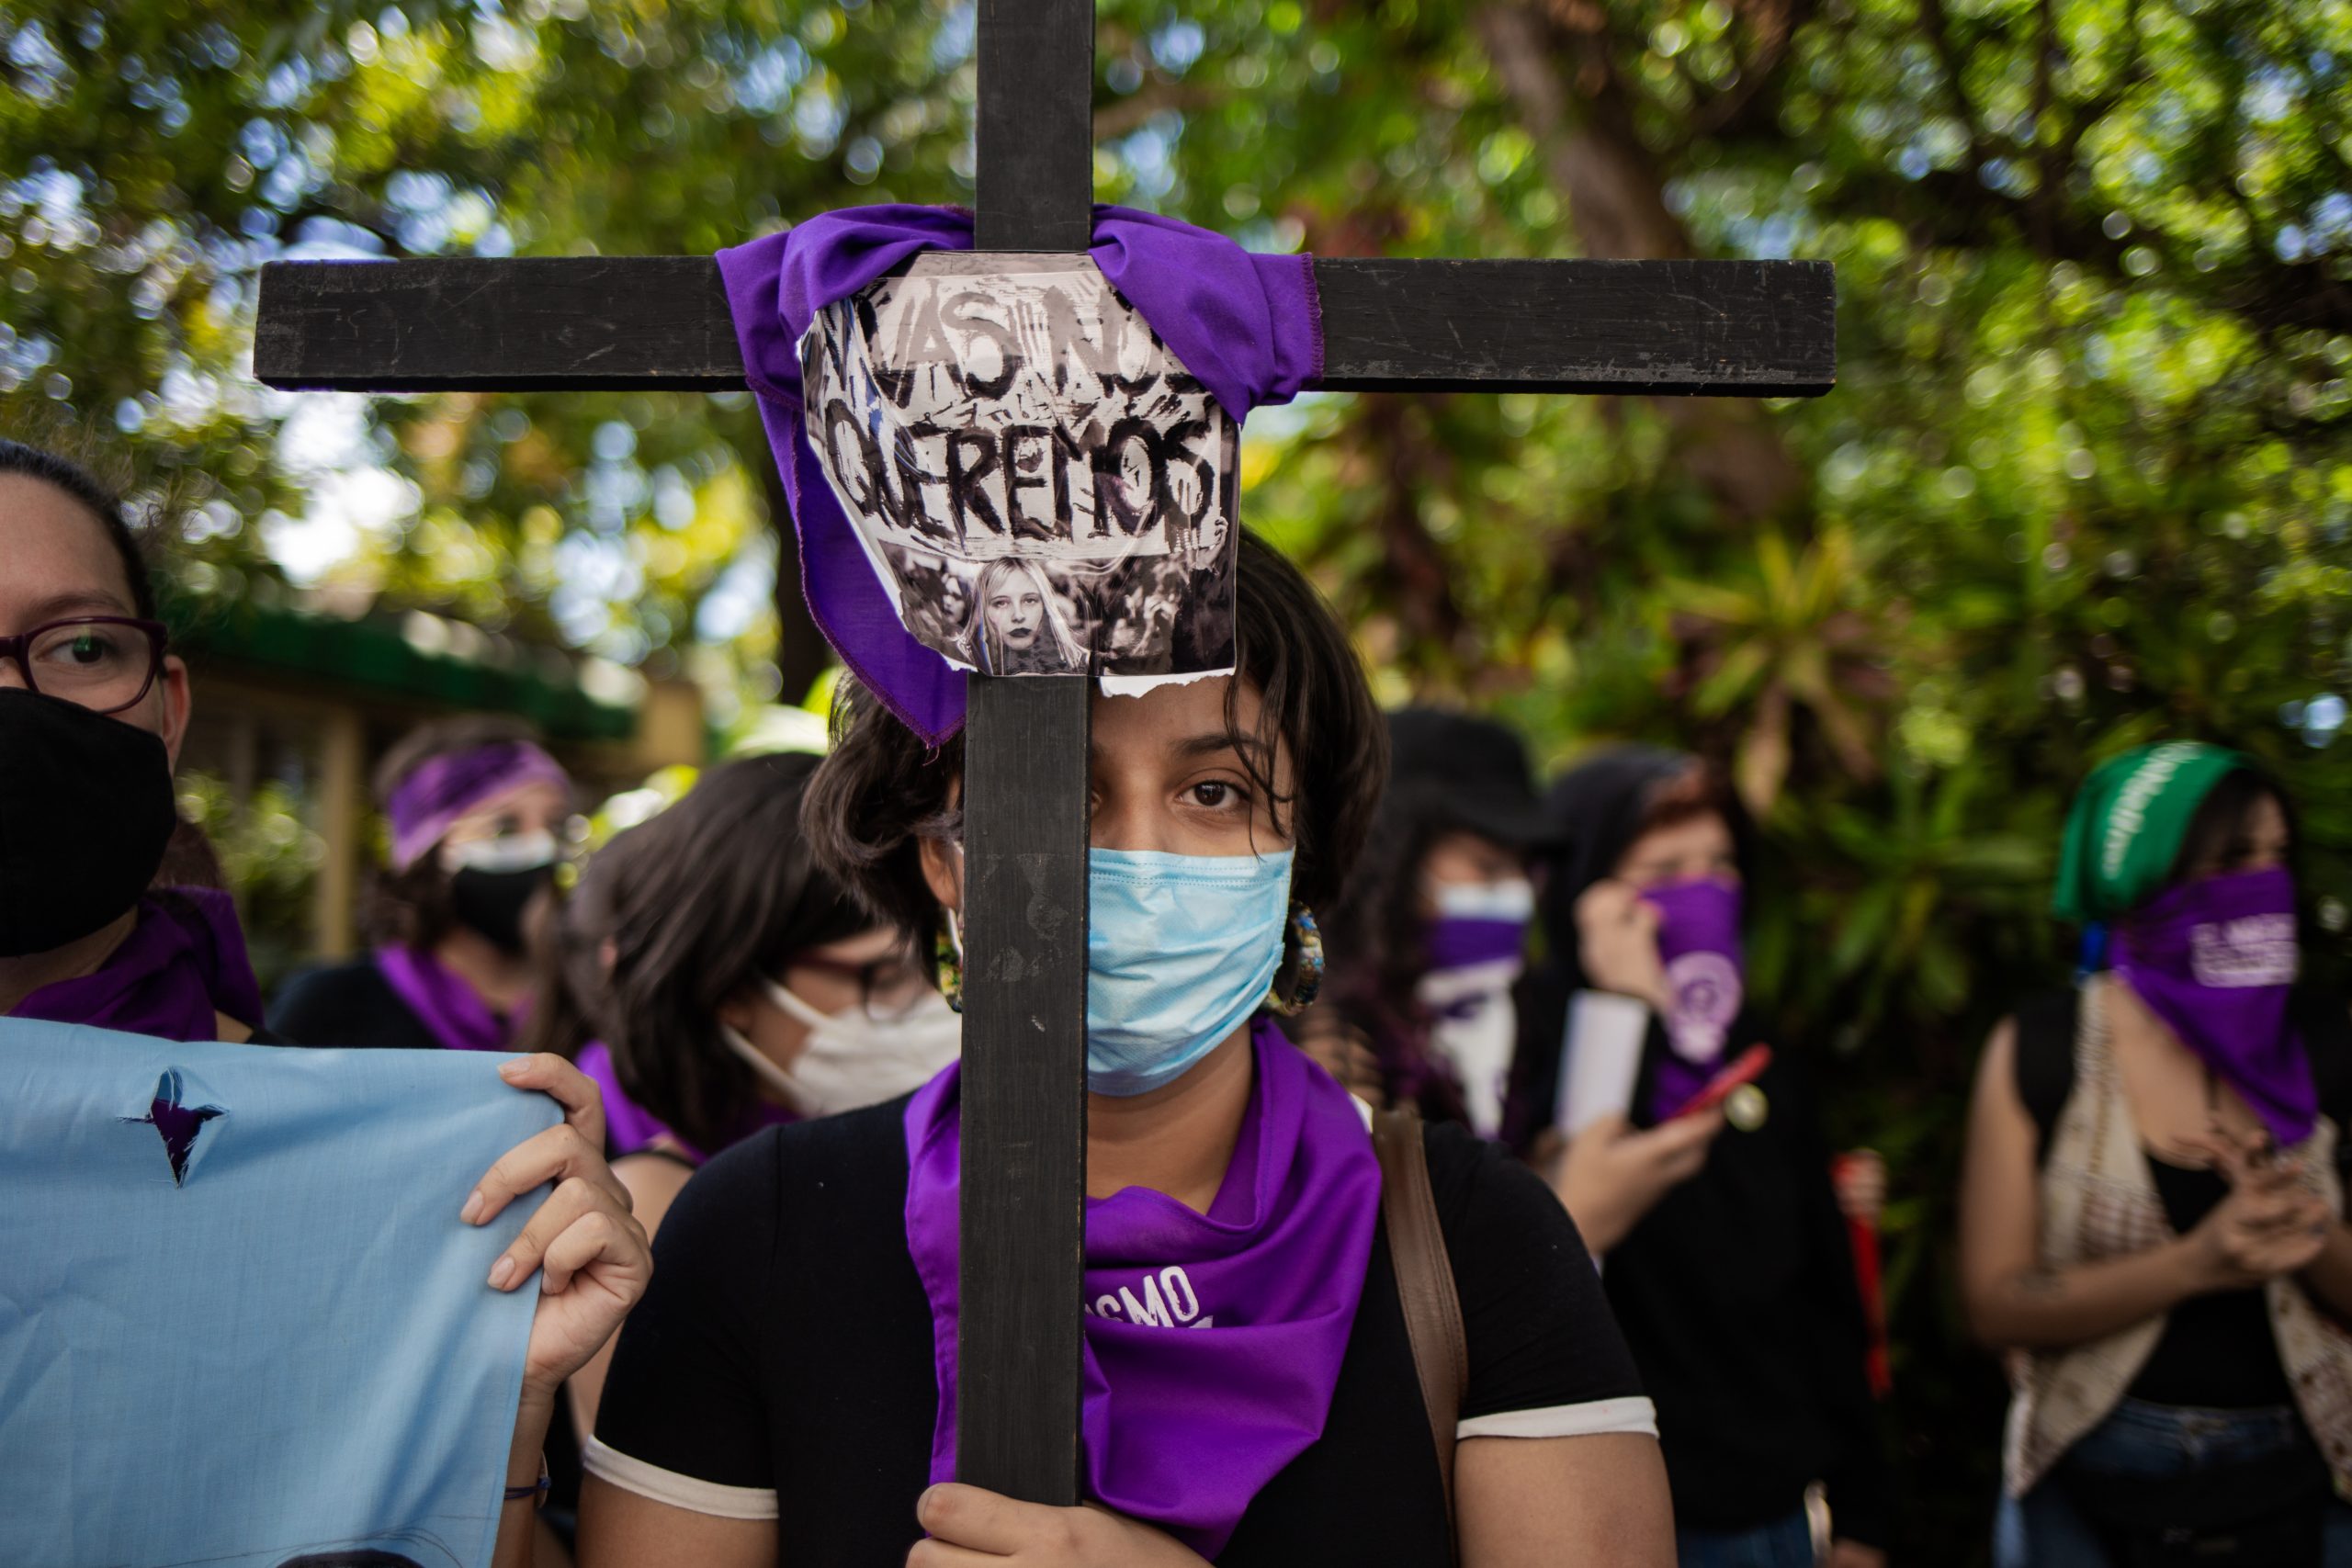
x=1698, y=941
x=629, y=1127
x=1249, y=327
x=446, y=1005
x=444, y=788
x=1180, y=1430
x=184, y=961
x=2214, y=959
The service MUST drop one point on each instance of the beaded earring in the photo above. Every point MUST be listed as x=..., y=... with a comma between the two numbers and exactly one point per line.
x=947, y=963
x=1309, y=973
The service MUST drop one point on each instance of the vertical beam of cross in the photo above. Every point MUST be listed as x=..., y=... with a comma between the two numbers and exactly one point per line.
x=1025, y=789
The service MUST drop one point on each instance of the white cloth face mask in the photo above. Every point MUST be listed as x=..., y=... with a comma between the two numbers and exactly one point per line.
x=514, y=852
x=852, y=1060
x=1476, y=1030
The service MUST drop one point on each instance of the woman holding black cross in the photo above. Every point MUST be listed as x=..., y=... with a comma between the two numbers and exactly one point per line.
x=787, y=1392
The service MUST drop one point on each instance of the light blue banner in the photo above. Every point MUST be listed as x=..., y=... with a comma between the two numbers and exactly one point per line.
x=241, y=1323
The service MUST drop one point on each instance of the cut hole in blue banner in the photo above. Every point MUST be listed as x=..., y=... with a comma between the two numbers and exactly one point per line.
x=241, y=1321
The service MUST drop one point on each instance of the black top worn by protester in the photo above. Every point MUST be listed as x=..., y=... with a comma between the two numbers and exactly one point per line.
x=2217, y=1350
x=783, y=1355
x=1738, y=1297
x=348, y=1004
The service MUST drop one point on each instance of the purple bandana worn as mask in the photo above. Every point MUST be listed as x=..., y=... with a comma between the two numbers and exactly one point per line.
x=1248, y=327
x=1476, y=946
x=2214, y=959
x=1213, y=1341
x=1698, y=941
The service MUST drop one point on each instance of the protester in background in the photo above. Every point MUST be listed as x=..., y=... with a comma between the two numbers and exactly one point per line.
x=787, y=1393
x=1430, y=938
x=92, y=713
x=1725, y=1247
x=2152, y=1207
x=739, y=987
x=475, y=806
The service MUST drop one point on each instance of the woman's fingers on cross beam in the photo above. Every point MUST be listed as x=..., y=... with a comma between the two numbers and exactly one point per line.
x=970, y=1525
x=981, y=1521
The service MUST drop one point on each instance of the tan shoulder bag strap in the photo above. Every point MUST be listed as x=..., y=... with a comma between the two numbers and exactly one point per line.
x=1424, y=1280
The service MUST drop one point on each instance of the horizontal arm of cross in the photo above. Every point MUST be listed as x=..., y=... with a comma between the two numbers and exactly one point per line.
x=1755, y=329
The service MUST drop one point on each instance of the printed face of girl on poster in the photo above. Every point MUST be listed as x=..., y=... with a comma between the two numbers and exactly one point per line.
x=1016, y=627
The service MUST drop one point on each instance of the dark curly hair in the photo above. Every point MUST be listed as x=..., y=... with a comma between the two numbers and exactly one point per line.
x=883, y=791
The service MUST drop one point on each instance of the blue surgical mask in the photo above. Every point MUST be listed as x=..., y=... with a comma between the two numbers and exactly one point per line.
x=1180, y=951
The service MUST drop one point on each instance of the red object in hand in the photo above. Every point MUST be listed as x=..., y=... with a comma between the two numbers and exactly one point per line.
x=1747, y=1068
x=1863, y=1237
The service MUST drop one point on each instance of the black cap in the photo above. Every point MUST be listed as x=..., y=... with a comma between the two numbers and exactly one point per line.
x=1467, y=771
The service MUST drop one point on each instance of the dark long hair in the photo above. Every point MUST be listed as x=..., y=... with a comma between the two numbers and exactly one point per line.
x=702, y=901
x=1375, y=935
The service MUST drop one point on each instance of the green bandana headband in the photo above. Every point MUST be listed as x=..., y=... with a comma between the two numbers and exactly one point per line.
x=2124, y=834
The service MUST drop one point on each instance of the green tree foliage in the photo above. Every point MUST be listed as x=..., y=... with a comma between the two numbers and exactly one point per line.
x=2085, y=480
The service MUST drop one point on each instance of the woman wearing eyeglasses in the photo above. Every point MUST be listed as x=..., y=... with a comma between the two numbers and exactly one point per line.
x=93, y=708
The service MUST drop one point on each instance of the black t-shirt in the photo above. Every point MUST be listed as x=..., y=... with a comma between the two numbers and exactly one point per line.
x=348, y=1004
x=781, y=1364
x=1738, y=1295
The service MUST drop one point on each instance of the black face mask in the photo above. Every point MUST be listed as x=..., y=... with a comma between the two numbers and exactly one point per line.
x=491, y=903
x=85, y=813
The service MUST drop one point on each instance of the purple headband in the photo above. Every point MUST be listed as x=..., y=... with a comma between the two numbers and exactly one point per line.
x=446, y=787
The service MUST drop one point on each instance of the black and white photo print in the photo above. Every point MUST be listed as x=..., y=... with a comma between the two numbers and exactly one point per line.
x=1041, y=487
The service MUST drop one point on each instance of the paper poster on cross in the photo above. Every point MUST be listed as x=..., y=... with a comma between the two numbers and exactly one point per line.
x=1040, y=485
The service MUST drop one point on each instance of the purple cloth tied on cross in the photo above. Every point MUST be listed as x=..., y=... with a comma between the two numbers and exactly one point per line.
x=1213, y=1341
x=1248, y=327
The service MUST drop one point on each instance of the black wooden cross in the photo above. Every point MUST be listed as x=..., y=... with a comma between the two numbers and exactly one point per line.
x=1752, y=328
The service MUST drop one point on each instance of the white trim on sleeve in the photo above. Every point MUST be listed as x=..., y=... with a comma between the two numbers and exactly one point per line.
x=1631, y=1414
x=687, y=1491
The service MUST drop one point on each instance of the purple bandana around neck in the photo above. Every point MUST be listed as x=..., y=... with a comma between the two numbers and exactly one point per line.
x=1698, y=941
x=629, y=1127
x=1249, y=327
x=2215, y=959
x=446, y=1005
x=445, y=788
x=1213, y=1341
x=184, y=961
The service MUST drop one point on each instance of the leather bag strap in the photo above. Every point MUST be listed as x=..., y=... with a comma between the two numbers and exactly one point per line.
x=1424, y=1281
